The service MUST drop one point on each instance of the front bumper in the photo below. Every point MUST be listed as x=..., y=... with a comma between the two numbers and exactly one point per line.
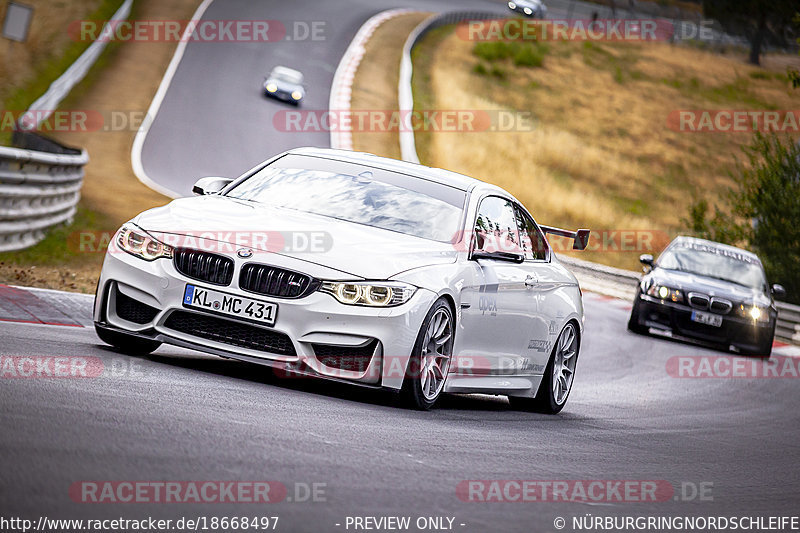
x=742, y=333
x=368, y=346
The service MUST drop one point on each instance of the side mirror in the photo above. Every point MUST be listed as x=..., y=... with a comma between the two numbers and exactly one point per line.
x=778, y=291
x=498, y=256
x=210, y=185
x=646, y=259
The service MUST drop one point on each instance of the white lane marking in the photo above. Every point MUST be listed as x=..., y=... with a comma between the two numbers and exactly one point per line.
x=155, y=105
x=342, y=85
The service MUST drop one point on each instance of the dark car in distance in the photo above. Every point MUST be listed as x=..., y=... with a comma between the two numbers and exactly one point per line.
x=710, y=292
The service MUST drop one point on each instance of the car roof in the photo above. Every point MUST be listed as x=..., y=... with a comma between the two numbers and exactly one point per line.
x=280, y=69
x=438, y=175
x=683, y=240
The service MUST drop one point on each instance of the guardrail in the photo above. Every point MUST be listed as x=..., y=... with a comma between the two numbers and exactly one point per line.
x=38, y=190
x=40, y=180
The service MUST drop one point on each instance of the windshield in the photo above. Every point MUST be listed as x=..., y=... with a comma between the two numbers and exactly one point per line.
x=393, y=202
x=716, y=263
x=288, y=76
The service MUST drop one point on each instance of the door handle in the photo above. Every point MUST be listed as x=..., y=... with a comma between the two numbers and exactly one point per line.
x=530, y=281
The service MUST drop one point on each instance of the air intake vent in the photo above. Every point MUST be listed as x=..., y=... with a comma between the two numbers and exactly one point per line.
x=204, y=266
x=230, y=332
x=274, y=281
x=133, y=310
x=351, y=358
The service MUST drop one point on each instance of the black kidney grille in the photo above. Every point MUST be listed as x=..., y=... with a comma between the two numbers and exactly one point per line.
x=133, y=310
x=204, y=266
x=230, y=332
x=274, y=281
x=352, y=358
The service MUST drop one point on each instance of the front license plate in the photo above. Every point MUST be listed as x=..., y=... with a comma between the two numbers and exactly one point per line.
x=707, y=318
x=231, y=305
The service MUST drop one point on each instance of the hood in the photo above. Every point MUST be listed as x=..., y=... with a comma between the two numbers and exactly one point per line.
x=352, y=250
x=688, y=282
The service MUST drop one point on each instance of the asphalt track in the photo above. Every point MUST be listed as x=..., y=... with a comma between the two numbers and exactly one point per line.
x=179, y=415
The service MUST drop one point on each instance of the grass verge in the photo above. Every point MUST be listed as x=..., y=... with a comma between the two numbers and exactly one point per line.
x=124, y=79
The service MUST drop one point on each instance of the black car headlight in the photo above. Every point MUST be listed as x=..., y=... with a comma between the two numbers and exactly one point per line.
x=368, y=293
x=137, y=242
x=665, y=293
x=756, y=313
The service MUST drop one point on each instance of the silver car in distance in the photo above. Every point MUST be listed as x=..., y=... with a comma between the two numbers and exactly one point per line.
x=356, y=268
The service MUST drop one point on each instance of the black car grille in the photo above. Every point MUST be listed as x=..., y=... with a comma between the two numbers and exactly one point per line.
x=721, y=306
x=133, y=310
x=230, y=332
x=273, y=281
x=353, y=359
x=204, y=266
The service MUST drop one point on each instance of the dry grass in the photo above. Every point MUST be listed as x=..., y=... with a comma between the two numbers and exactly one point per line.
x=111, y=193
x=375, y=83
x=601, y=154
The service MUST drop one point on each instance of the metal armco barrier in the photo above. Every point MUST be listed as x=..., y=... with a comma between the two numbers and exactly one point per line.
x=38, y=190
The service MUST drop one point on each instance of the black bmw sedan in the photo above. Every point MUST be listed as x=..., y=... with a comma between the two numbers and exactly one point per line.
x=707, y=291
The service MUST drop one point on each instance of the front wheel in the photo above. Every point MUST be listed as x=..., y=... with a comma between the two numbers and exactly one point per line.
x=558, y=376
x=633, y=321
x=430, y=360
x=127, y=344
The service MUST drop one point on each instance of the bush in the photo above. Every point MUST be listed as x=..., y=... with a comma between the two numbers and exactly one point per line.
x=528, y=56
x=765, y=214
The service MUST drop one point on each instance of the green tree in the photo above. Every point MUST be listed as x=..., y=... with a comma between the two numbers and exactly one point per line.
x=755, y=18
x=765, y=210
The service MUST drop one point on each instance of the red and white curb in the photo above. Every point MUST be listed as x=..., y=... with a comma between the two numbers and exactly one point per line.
x=342, y=86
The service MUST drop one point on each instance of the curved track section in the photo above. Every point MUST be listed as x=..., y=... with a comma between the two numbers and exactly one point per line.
x=214, y=120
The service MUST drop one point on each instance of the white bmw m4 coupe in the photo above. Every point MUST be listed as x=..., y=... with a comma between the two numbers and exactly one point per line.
x=355, y=268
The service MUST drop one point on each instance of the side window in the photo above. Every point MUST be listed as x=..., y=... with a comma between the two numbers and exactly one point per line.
x=496, y=226
x=533, y=242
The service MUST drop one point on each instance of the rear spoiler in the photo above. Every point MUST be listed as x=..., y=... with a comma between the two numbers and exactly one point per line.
x=581, y=236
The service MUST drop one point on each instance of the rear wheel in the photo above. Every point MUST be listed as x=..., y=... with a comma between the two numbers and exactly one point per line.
x=430, y=360
x=127, y=344
x=558, y=376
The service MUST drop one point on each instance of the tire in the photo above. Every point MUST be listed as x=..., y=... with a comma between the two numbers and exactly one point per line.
x=633, y=321
x=127, y=344
x=548, y=400
x=426, y=373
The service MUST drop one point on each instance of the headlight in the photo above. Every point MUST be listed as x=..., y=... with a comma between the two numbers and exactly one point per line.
x=512, y=5
x=297, y=95
x=137, y=242
x=754, y=313
x=665, y=293
x=382, y=294
x=271, y=87
x=528, y=11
